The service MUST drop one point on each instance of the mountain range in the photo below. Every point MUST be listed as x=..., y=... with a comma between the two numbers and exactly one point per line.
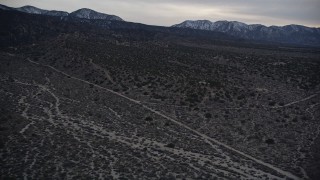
x=292, y=34
x=81, y=13
x=289, y=34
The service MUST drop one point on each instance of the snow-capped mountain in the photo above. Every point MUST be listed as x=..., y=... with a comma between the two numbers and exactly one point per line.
x=199, y=24
x=91, y=14
x=31, y=10
x=296, y=34
x=222, y=26
x=35, y=10
x=81, y=13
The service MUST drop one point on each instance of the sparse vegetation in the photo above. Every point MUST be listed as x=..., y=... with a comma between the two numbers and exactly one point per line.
x=143, y=103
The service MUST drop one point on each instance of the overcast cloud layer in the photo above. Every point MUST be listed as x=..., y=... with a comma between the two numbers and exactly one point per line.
x=169, y=12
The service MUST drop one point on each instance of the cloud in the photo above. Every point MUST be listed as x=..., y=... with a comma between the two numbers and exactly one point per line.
x=168, y=12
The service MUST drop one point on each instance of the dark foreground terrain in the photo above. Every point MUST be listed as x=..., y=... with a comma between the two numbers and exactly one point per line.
x=79, y=101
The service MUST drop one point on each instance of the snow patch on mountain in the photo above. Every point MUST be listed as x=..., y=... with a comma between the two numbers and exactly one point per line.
x=57, y=13
x=91, y=14
x=35, y=10
x=31, y=10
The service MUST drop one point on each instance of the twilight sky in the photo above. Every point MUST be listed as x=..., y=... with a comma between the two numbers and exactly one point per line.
x=169, y=12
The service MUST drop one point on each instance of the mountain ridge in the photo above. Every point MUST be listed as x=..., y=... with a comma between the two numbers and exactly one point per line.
x=289, y=34
x=295, y=34
x=255, y=24
x=80, y=13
